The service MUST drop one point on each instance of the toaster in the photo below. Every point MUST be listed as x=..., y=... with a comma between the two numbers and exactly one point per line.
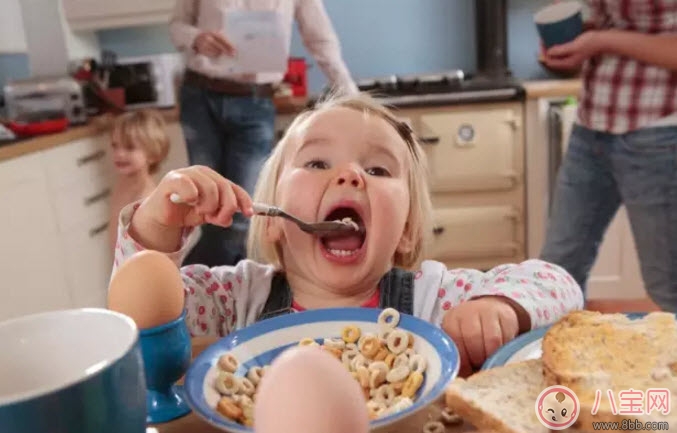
x=50, y=96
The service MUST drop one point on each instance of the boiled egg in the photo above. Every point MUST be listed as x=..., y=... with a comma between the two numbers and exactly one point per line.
x=148, y=288
x=308, y=390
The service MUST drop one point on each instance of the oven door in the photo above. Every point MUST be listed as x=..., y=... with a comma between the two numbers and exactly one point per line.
x=561, y=119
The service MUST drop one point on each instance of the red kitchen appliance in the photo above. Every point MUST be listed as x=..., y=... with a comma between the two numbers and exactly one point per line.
x=37, y=123
x=297, y=76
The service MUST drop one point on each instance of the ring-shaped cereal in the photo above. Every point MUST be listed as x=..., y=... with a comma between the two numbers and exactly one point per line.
x=398, y=374
x=369, y=346
x=389, y=317
x=334, y=343
x=380, y=366
x=359, y=361
x=381, y=354
x=375, y=408
x=434, y=427
x=227, y=384
x=401, y=359
x=376, y=378
x=385, y=394
x=397, y=341
x=228, y=363
x=247, y=387
x=362, y=376
x=348, y=355
x=390, y=360
x=255, y=374
x=417, y=363
x=308, y=342
x=412, y=384
x=229, y=408
x=243, y=400
x=410, y=352
x=383, y=333
x=350, y=334
x=334, y=351
x=449, y=417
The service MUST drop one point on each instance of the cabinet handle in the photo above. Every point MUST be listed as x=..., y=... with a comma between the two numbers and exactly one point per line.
x=510, y=249
x=91, y=157
x=438, y=231
x=462, y=183
x=99, y=229
x=429, y=140
x=97, y=197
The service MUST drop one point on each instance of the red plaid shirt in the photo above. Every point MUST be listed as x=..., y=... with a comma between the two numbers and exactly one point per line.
x=621, y=94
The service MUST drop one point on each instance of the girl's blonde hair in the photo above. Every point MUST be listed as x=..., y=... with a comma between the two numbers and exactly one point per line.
x=419, y=223
x=147, y=129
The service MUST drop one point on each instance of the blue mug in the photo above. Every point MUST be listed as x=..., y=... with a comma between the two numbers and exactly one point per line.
x=72, y=371
x=559, y=23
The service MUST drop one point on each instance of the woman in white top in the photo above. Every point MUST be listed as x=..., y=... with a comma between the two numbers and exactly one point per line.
x=228, y=118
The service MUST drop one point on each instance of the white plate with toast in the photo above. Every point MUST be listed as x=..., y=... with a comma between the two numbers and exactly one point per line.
x=525, y=347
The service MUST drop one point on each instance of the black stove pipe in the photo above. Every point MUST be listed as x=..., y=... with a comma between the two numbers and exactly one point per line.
x=491, y=31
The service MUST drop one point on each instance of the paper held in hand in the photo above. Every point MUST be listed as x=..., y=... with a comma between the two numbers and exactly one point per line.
x=260, y=42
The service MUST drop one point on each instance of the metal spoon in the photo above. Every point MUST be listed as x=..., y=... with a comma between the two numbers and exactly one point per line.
x=323, y=228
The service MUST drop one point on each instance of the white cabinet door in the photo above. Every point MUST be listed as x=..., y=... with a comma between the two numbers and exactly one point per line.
x=12, y=34
x=32, y=276
x=89, y=260
x=102, y=14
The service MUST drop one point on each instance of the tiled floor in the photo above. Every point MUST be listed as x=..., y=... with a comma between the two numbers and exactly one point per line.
x=621, y=305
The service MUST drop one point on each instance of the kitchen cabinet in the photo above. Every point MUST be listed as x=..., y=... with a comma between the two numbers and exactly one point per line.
x=12, y=35
x=32, y=276
x=475, y=159
x=55, y=250
x=104, y=14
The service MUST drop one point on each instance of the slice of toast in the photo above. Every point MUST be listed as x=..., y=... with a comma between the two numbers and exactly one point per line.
x=502, y=399
x=592, y=353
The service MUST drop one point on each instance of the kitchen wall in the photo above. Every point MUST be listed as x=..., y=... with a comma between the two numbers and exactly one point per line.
x=403, y=37
x=381, y=37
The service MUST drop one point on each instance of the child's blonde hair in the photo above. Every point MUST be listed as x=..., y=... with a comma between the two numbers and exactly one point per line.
x=419, y=223
x=147, y=129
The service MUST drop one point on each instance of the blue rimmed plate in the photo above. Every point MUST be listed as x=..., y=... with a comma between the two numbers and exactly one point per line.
x=526, y=346
x=261, y=342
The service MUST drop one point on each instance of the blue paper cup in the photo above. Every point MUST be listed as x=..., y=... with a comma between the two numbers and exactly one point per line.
x=72, y=371
x=559, y=23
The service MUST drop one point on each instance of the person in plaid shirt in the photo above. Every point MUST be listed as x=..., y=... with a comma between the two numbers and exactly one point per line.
x=623, y=148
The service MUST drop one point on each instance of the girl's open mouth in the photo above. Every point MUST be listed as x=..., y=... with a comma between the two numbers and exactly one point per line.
x=345, y=246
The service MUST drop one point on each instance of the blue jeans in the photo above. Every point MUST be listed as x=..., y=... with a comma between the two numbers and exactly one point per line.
x=599, y=172
x=232, y=135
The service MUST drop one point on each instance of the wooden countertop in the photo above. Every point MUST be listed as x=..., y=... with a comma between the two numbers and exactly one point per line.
x=552, y=88
x=99, y=124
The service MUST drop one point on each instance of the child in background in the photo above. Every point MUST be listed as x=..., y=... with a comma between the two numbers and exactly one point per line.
x=347, y=158
x=140, y=143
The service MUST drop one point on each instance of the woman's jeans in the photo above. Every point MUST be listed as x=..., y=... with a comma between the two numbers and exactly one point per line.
x=599, y=172
x=232, y=135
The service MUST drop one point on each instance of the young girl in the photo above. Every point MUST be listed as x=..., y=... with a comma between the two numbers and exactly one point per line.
x=348, y=157
x=140, y=143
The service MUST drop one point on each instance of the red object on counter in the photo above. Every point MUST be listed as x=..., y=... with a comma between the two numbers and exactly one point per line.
x=47, y=126
x=297, y=76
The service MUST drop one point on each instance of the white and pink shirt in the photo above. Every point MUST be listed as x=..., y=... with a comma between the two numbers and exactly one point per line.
x=225, y=298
